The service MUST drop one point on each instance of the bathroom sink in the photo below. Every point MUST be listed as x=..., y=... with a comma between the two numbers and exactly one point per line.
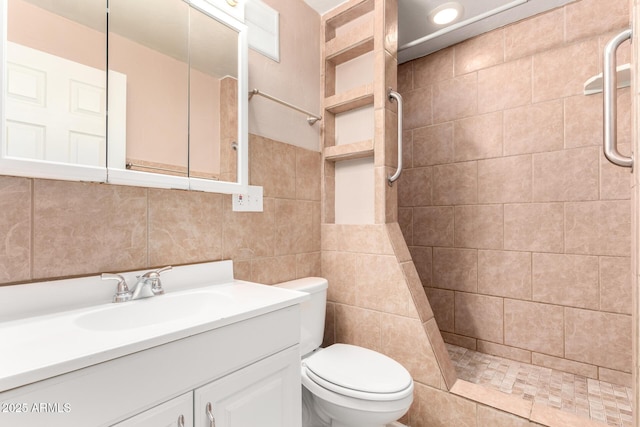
x=154, y=311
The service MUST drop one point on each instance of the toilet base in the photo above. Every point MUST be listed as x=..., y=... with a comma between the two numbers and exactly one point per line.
x=315, y=415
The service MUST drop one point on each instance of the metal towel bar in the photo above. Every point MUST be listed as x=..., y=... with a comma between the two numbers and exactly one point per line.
x=609, y=97
x=395, y=95
x=311, y=118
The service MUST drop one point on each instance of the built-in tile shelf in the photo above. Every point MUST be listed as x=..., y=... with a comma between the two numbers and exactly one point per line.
x=351, y=151
x=594, y=84
x=354, y=43
x=350, y=100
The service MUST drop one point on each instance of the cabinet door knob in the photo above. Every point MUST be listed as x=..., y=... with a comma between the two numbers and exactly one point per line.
x=181, y=421
x=212, y=421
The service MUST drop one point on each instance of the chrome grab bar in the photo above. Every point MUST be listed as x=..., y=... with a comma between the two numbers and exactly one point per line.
x=395, y=95
x=610, y=97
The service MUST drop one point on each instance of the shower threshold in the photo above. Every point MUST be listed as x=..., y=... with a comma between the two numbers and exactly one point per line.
x=588, y=398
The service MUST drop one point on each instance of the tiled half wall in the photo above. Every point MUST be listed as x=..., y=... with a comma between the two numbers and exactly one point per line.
x=519, y=228
x=57, y=229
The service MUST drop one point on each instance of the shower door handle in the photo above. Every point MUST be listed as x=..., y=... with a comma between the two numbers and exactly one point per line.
x=395, y=95
x=609, y=97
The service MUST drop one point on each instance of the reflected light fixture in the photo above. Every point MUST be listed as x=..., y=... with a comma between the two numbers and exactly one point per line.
x=446, y=13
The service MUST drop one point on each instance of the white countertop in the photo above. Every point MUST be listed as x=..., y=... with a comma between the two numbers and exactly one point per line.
x=42, y=346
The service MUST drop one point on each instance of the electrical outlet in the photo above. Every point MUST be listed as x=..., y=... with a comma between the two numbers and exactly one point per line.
x=250, y=202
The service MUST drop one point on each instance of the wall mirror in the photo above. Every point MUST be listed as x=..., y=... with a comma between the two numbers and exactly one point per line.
x=176, y=72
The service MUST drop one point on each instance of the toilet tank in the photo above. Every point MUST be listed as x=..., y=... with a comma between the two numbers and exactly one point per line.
x=312, y=311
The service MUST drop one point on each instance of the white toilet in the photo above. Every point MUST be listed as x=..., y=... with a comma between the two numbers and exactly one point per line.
x=345, y=385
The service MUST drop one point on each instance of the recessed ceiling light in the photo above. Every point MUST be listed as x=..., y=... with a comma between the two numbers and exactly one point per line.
x=446, y=13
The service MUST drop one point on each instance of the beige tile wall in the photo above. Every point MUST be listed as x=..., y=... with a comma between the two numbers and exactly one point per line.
x=519, y=228
x=56, y=229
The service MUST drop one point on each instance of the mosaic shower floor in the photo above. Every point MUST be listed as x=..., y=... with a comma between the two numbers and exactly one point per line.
x=600, y=401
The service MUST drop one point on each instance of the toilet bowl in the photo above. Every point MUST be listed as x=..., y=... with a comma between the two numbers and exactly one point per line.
x=345, y=385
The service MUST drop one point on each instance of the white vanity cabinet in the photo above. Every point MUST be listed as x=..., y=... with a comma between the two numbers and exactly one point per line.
x=177, y=412
x=265, y=394
x=249, y=370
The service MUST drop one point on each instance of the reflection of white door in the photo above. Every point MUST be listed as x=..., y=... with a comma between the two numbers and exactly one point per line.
x=55, y=108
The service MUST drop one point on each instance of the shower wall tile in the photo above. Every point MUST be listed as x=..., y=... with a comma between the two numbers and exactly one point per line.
x=583, y=120
x=405, y=220
x=456, y=98
x=405, y=77
x=615, y=292
x=534, y=128
x=615, y=182
x=452, y=410
x=455, y=184
x=417, y=358
x=505, y=180
x=505, y=86
x=442, y=355
x=433, y=68
x=455, y=269
x=378, y=275
x=417, y=108
x=615, y=377
x=433, y=145
x=598, y=228
x=442, y=304
x=535, y=227
x=505, y=274
x=562, y=72
x=560, y=364
x=566, y=175
x=420, y=300
x=591, y=17
x=548, y=319
x=415, y=187
x=479, y=52
x=422, y=257
x=536, y=34
x=15, y=253
x=282, y=179
x=520, y=204
x=479, y=226
x=479, y=316
x=570, y=280
x=478, y=137
x=433, y=226
x=512, y=353
x=583, y=345
x=459, y=340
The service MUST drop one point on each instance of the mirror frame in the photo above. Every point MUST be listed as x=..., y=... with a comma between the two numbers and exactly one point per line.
x=50, y=170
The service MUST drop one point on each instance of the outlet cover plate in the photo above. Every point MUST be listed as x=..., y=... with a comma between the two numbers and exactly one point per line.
x=250, y=202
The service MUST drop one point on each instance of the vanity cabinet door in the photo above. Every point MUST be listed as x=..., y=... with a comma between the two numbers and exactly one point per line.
x=177, y=412
x=266, y=394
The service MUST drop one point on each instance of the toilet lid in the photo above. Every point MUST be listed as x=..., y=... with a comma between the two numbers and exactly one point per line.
x=359, y=369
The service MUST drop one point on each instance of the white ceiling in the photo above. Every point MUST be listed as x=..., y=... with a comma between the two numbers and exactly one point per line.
x=413, y=23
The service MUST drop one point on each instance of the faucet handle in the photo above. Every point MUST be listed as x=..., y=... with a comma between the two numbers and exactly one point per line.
x=123, y=293
x=154, y=277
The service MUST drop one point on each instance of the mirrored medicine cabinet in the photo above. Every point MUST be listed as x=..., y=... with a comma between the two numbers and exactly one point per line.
x=147, y=94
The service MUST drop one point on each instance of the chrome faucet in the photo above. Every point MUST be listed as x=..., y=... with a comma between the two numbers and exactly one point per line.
x=149, y=284
x=123, y=294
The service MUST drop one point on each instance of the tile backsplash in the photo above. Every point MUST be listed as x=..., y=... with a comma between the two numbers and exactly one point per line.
x=58, y=229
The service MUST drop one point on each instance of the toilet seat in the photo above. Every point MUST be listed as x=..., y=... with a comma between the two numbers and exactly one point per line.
x=358, y=372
